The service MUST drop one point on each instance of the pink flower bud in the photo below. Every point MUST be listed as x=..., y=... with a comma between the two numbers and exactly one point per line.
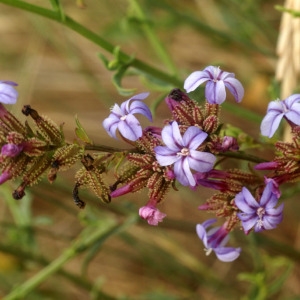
x=11, y=150
x=151, y=214
x=5, y=176
x=121, y=191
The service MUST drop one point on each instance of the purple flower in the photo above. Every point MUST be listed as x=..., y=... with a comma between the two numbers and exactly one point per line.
x=261, y=215
x=8, y=94
x=215, y=239
x=217, y=80
x=151, y=214
x=288, y=108
x=181, y=151
x=122, y=118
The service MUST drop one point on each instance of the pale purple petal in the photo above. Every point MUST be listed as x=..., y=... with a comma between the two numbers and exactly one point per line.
x=130, y=128
x=292, y=100
x=201, y=232
x=294, y=115
x=268, y=198
x=183, y=173
x=248, y=220
x=110, y=124
x=138, y=107
x=209, y=222
x=270, y=123
x=215, y=92
x=201, y=161
x=194, y=80
x=176, y=135
x=227, y=254
x=171, y=137
x=245, y=201
x=165, y=156
x=194, y=137
x=235, y=88
x=8, y=94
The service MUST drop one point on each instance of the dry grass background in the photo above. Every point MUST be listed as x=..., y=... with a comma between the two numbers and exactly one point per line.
x=60, y=75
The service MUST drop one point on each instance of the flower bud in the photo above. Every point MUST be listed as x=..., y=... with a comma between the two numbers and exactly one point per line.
x=151, y=214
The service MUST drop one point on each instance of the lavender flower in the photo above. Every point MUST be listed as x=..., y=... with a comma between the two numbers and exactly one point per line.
x=217, y=80
x=122, y=118
x=261, y=215
x=8, y=94
x=215, y=239
x=288, y=108
x=151, y=214
x=181, y=151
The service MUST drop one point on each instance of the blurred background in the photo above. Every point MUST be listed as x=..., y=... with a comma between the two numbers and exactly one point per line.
x=60, y=74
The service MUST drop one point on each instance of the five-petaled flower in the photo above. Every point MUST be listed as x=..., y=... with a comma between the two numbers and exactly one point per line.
x=181, y=151
x=8, y=94
x=122, y=118
x=215, y=239
x=217, y=80
x=288, y=108
x=261, y=215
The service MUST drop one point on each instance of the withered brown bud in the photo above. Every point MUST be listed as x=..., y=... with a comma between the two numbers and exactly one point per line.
x=27, y=110
x=77, y=200
x=19, y=193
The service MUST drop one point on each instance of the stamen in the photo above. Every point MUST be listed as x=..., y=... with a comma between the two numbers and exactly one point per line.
x=183, y=152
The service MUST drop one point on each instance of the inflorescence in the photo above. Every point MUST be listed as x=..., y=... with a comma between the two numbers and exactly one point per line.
x=188, y=150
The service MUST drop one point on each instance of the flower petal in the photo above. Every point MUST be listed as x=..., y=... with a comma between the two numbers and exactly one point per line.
x=201, y=161
x=171, y=137
x=138, y=107
x=110, y=124
x=183, y=172
x=8, y=94
x=130, y=128
x=245, y=201
x=227, y=254
x=215, y=92
x=194, y=80
x=270, y=123
x=248, y=220
x=194, y=137
x=235, y=88
x=292, y=100
x=165, y=156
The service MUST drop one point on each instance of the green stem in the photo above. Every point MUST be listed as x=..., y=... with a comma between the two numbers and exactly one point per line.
x=152, y=37
x=85, y=241
x=107, y=149
x=244, y=156
x=93, y=37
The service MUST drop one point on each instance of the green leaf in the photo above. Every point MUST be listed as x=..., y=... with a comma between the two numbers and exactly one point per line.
x=81, y=133
x=120, y=66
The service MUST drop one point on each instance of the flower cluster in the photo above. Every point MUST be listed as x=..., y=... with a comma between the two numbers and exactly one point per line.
x=188, y=150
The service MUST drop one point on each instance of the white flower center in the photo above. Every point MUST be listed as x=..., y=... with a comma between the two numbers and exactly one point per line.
x=260, y=212
x=123, y=118
x=183, y=152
